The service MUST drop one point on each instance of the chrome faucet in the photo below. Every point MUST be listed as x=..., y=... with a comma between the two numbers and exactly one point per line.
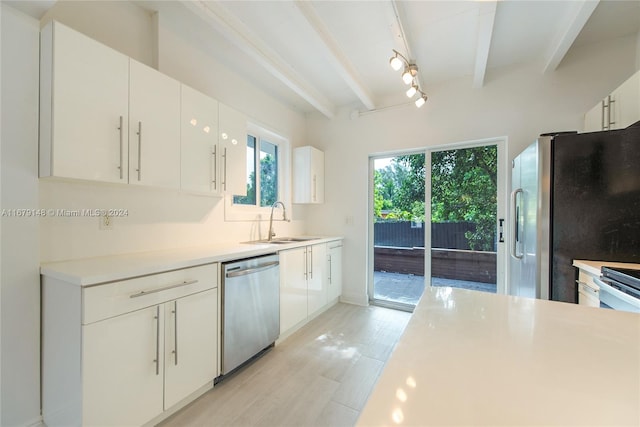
x=284, y=218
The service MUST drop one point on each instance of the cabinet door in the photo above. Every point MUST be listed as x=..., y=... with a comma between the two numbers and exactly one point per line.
x=308, y=169
x=335, y=271
x=317, y=283
x=191, y=348
x=154, y=128
x=293, y=287
x=122, y=368
x=593, y=119
x=232, y=130
x=199, y=158
x=626, y=108
x=317, y=177
x=84, y=107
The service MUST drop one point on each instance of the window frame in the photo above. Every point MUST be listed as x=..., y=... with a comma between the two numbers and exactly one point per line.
x=240, y=212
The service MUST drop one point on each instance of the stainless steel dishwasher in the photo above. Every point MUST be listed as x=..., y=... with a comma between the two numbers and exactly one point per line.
x=250, y=309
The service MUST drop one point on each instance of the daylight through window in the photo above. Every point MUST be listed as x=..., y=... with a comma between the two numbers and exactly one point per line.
x=262, y=156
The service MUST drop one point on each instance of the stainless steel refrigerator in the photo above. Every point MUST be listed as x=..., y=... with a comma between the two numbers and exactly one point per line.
x=574, y=196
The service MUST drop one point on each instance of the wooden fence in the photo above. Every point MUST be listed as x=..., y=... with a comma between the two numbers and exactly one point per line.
x=475, y=266
x=405, y=234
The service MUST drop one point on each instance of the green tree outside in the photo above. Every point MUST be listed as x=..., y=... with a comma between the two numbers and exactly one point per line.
x=463, y=188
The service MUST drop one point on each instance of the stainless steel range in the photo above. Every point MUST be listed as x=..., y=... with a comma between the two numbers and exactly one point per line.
x=620, y=289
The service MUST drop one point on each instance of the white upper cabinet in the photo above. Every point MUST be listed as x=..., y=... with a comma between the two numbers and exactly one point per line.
x=103, y=116
x=84, y=107
x=618, y=110
x=308, y=169
x=200, y=154
x=232, y=140
x=626, y=108
x=154, y=127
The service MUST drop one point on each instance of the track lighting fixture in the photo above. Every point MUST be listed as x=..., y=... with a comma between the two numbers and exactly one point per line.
x=409, y=76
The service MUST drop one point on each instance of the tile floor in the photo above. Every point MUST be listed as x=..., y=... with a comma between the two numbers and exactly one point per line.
x=320, y=376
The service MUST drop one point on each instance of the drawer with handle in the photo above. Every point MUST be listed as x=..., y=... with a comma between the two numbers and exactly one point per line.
x=114, y=298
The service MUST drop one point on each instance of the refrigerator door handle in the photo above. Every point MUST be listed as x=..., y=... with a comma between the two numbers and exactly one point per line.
x=515, y=232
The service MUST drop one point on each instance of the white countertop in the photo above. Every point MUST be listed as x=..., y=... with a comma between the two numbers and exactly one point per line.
x=593, y=267
x=472, y=358
x=91, y=271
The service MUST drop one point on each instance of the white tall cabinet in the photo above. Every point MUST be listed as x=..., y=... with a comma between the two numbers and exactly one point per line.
x=125, y=352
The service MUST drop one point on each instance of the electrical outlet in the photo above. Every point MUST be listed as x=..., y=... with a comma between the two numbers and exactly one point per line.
x=348, y=220
x=106, y=222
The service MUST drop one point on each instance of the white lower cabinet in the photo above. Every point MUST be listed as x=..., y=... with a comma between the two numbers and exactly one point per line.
x=125, y=353
x=334, y=276
x=119, y=379
x=306, y=284
x=191, y=346
x=293, y=288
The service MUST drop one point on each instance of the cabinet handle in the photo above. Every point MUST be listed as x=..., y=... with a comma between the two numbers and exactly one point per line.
x=157, y=359
x=120, y=128
x=153, y=291
x=215, y=168
x=314, y=187
x=330, y=272
x=311, y=261
x=611, y=101
x=306, y=264
x=175, y=332
x=602, y=115
x=139, y=170
x=224, y=166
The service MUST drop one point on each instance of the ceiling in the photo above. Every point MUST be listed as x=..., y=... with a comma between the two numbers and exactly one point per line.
x=322, y=55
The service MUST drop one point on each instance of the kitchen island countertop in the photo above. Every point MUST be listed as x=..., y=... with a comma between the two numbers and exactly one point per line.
x=471, y=358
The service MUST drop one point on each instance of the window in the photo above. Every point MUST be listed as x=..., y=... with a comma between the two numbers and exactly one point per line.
x=262, y=156
x=267, y=177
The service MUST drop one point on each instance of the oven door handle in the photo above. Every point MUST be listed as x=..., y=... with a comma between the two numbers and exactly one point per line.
x=252, y=270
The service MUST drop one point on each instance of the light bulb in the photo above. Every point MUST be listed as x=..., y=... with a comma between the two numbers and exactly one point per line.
x=407, y=78
x=411, y=91
x=395, y=62
x=410, y=71
x=420, y=101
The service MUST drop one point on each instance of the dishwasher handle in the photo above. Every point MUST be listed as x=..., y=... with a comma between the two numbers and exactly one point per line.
x=252, y=270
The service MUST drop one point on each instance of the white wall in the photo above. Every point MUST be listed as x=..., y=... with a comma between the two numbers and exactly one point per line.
x=158, y=219
x=19, y=277
x=517, y=102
